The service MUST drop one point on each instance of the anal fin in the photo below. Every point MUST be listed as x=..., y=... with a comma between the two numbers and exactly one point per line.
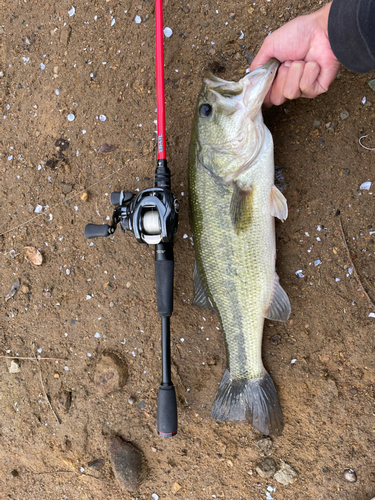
x=279, y=206
x=200, y=296
x=279, y=308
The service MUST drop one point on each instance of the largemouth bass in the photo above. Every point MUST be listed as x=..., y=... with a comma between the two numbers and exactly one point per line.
x=233, y=202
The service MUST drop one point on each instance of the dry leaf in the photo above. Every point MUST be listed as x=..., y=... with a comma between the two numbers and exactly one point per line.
x=15, y=286
x=34, y=255
x=105, y=147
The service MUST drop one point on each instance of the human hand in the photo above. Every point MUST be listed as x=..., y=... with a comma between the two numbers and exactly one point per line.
x=308, y=65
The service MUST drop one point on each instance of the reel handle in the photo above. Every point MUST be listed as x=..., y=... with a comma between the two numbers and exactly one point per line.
x=98, y=230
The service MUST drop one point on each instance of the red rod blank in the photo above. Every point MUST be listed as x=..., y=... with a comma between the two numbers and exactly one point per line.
x=160, y=104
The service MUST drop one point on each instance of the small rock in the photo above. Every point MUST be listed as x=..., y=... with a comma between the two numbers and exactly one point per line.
x=25, y=289
x=350, y=475
x=85, y=196
x=276, y=340
x=14, y=473
x=372, y=84
x=131, y=400
x=47, y=294
x=265, y=445
x=186, y=9
x=267, y=468
x=34, y=255
x=344, y=114
x=14, y=366
x=38, y=133
x=286, y=474
x=110, y=374
x=175, y=488
x=232, y=15
x=141, y=405
x=109, y=287
x=128, y=463
x=96, y=464
x=66, y=188
x=317, y=123
x=56, y=375
x=13, y=289
x=352, y=392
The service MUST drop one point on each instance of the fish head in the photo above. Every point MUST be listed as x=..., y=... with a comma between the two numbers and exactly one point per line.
x=229, y=126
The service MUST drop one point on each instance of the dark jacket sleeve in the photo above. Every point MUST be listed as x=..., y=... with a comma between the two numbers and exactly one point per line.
x=351, y=32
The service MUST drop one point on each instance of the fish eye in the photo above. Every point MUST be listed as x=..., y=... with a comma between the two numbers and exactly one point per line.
x=205, y=110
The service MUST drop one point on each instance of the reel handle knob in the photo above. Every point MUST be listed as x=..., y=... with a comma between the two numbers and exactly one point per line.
x=98, y=230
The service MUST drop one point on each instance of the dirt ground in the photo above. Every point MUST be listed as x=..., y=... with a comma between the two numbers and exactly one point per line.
x=89, y=298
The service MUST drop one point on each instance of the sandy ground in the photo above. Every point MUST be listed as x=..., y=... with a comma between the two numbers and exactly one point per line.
x=86, y=299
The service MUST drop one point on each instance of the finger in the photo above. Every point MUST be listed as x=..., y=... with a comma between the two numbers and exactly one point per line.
x=293, y=79
x=309, y=84
x=277, y=96
x=263, y=56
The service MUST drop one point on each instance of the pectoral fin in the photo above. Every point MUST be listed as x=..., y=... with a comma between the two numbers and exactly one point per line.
x=279, y=206
x=241, y=208
x=279, y=308
x=200, y=296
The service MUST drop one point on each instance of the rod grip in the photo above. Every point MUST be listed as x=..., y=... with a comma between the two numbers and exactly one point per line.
x=164, y=272
x=97, y=230
x=167, y=411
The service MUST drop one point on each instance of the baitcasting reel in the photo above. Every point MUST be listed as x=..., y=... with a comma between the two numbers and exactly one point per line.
x=152, y=216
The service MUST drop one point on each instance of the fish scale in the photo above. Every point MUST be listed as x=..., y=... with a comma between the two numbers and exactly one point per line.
x=233, y=202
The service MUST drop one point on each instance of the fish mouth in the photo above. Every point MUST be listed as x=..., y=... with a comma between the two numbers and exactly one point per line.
x=252, y=88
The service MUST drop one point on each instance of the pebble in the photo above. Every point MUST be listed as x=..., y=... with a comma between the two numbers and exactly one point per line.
x=25, y=289
x=13, y=289
x=350, y=475
x=138, y=19
x=66, y=188
x=128, y=463
x=372, y=84
x=111, y=374
x=131, y=400
x=84, y=196
x=102, y=118
x=317, y=123
x=168, y=32
x=265, y=445
x=267, y=468
x=344, y=114
x=286, y=474
x=175, y=488
x=71, y=117
x=14, y=473
x=14, y=366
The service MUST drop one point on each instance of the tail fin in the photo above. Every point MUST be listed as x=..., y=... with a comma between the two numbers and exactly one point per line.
x=255, y=400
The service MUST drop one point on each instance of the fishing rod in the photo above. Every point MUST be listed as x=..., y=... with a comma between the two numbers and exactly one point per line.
x=152, y=216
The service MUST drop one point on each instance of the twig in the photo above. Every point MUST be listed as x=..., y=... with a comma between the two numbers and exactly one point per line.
x=46, y=397
x=33, y=359
x=353, y=266
x=56, y=472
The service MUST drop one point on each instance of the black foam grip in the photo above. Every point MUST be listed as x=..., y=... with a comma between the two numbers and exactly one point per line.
x=164, y=270
x=167, y=411
x=96, y=230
